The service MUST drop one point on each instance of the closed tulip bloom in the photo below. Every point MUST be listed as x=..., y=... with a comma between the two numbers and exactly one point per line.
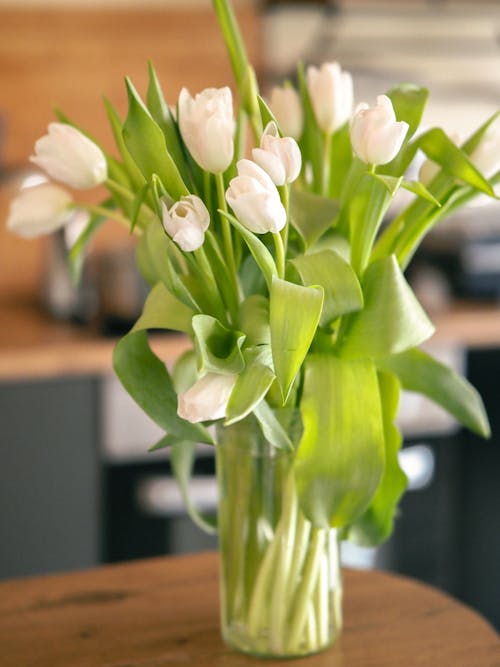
x=331, y=94
x=207, y=127
x=40, y=210
x=186, y=222
x=280, y=157
x=207, y=399
x=287, y=108
x=255, y=200
x=376, y=136
x=70, y=157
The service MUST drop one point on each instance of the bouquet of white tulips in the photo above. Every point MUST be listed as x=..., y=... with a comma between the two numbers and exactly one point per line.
x=282, y=265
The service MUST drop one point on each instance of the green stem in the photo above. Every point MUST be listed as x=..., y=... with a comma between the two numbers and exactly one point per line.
x=300, y=603
x=327, y=158
x=207, y=190
x=205, y=270
x=109, y=214
x=280, y=254
x=284, y=560
x=226, y=228
x=284, y=191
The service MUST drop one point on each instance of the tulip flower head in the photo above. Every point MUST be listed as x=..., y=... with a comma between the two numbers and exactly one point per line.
x=207, y=399
x=186, y=222
x=255, y=200
x=279, y=156
x=376, y=136
x=331, y=93
x=39, y=210
x=287, y=109
x=70, y=157
x=207, y=126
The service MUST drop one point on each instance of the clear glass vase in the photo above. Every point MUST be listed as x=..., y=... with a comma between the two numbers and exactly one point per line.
x=281, y=587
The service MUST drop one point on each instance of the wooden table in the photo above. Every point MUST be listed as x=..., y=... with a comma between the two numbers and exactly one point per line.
x=164, y=612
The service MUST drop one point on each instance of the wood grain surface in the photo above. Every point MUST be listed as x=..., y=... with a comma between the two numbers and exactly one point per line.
x=164, y=612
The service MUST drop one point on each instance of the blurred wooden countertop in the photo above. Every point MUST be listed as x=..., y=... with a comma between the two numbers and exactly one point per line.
x=33, y=345
x=164, y=611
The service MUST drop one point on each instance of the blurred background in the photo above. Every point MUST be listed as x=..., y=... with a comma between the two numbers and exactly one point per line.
x=77, y=487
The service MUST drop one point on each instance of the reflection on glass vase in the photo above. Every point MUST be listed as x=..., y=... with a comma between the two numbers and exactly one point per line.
x=281, y=587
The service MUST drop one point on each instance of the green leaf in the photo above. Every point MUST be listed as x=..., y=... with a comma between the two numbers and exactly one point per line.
x=161, y=113
x=340, y=458
x=366, y=211
x=136, y=207
x=185, y=372
x=259, y=251
x=441, y=149
x=182, y=459
x=135, y=176
x=421, y=373
x=294, y=315
x=159, y=264
x=391, y=182
x=232, y=38
x=341, y=160
x=148, y=382
x=267, y=115
x=271, y=427
x=254, y=319
x=475, y=139
x=409, y=103
x=375, y=525
x=145, y=142
x=76, y=254
x=420, y=190
x=311, y=215
x=163, y=443
x=163, y=311
x=251, y=386
x=340, y=284
x=218, y=349
x=392, y=320
x=311, y=141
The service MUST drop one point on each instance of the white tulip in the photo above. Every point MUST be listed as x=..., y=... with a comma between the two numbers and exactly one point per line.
x=287, y=109
x=207, y=399
x=331, y=93
x=279, y=156
x=255, y=200
x=40, y=210
x=486, y=156
x=206, y=124
x=376, y=136
x=186, y=222
x=70, y=157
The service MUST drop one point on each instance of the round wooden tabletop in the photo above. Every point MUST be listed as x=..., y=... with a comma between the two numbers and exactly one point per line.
x=164, y=612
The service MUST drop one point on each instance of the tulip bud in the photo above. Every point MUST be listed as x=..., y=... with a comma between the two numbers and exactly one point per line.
x=255, y=200
x=207, y=399
x=331, y=94
x=279, y=156
x=376, y=137
x=287, y=109
x=39, y=210
x=207, y=127
x=70, y=157
x=186, y=222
